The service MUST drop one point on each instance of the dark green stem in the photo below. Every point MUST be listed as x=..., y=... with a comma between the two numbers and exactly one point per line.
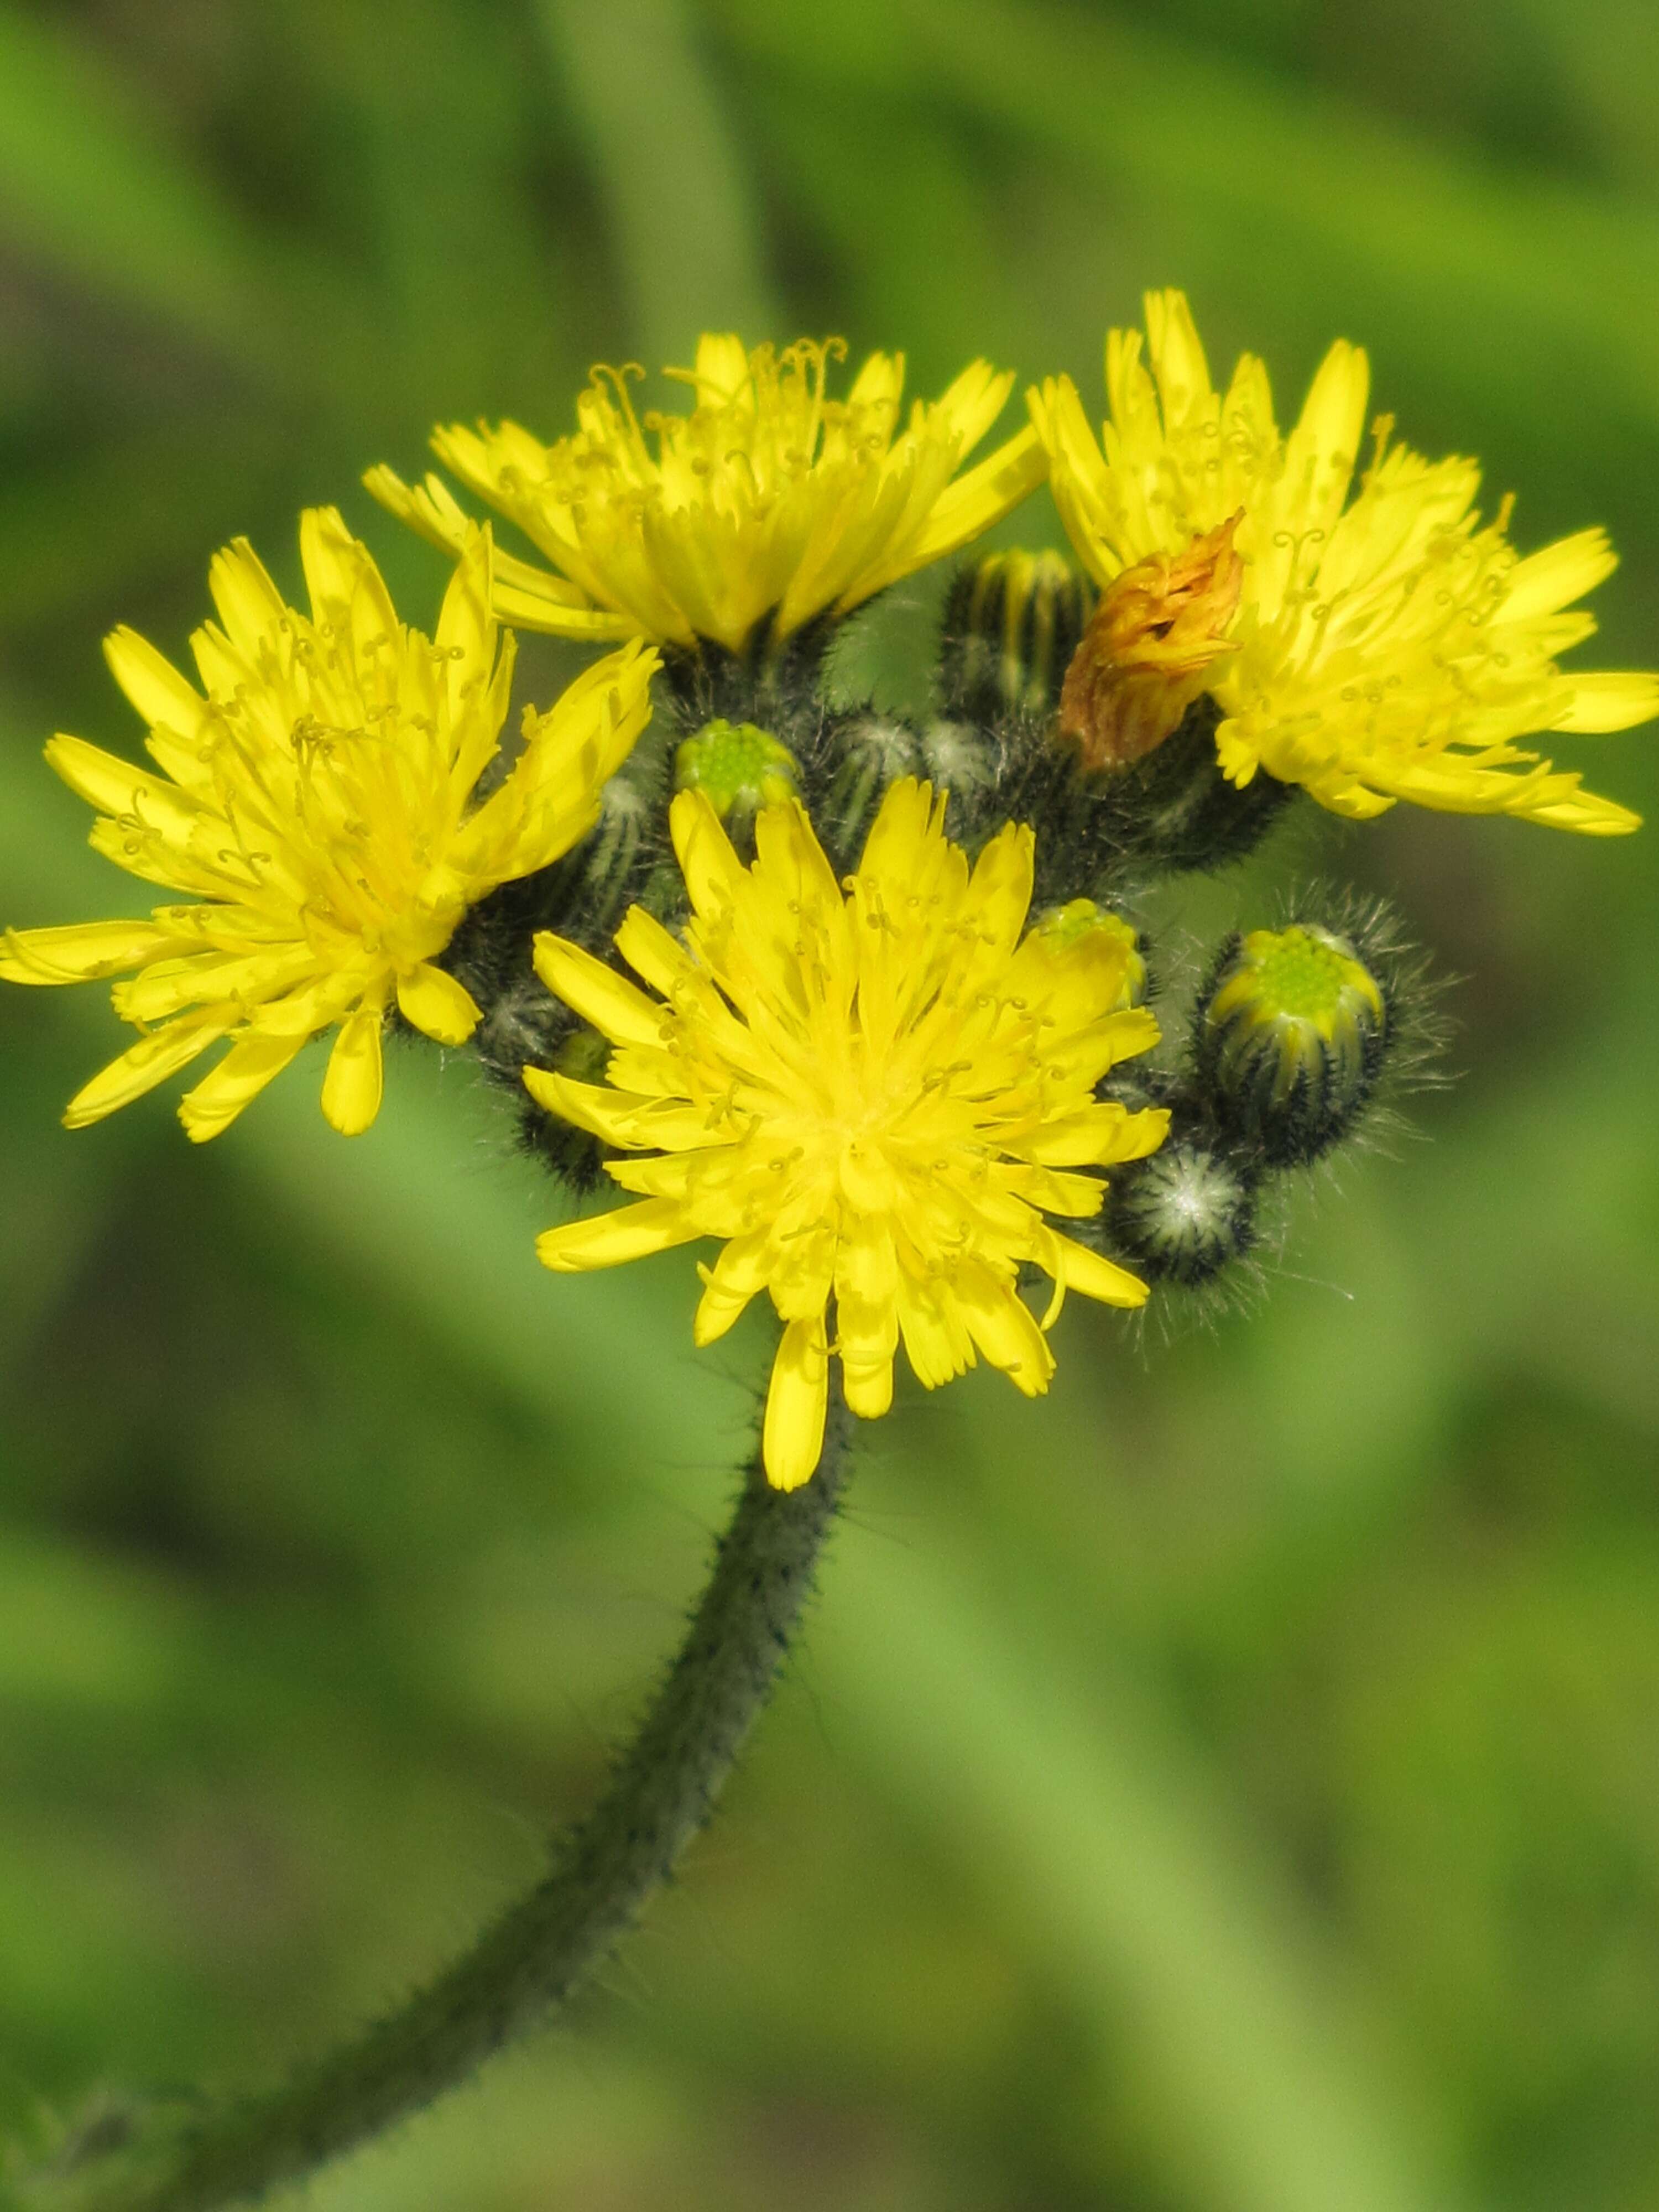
x=542, y=1949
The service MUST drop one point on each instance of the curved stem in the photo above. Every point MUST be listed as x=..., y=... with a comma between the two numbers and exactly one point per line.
x=541, y=1949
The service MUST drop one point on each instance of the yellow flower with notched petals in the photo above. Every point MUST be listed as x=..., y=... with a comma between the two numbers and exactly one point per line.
x=318, y=797
x=768, y=499
x=1386, y=645
x=873, y=1097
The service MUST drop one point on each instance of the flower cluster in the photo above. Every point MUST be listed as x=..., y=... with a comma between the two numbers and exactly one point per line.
x=850, y=1059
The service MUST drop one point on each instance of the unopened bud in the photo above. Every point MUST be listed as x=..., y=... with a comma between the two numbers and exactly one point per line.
x=1149, y=649
x=740, y=768
x=1183, y=1215
x=1013, y=623
x=1291, y=1041
x=1064, y=925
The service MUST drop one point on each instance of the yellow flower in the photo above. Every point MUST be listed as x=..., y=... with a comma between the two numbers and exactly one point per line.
x=874, y=1098
x=1387, y=646
x=769, y=499
x=318, y=801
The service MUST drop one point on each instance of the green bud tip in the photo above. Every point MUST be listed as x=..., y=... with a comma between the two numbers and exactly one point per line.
x=740, y=767
x=1291, y=1040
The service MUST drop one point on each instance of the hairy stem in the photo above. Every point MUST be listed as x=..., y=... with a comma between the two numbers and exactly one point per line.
x=527, y=1965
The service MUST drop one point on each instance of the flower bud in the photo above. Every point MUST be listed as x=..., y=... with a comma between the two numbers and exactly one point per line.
x=1012, y=624
x=1149, y=649
x=740, y=767
x=1183, y=1215
x=1291, y=1040
x=1064, y=925
x=867, y=751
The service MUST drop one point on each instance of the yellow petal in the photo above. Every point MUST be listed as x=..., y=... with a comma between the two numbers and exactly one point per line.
x=117, y=787
x=437, y=1005
x=251, y=1063
x=868, y=1383
x=1094, y=1275
x=250, y=606
x=792, y=1442
x=614, y=1006
x=164, y=987
x=467, y=628
x=867, y=1280
x=430, y=508
x=345, y=585
x=145, y=1064
x=711, y=868
x=735, y=1279
x=935, y=1340
x=1584, y=812
x=623, y=1117
x=351, y=1088
x=660, y=958
x=1614, y=700
x=1320, y=451
x=1176, y=355
x=901, y=834
x=969, y=507
x=1090, y=1139
x=1005, y=1328
x=78, y=952
x=1557, y=575
x=607, y=1240
x=532, y=599
x=154, y=685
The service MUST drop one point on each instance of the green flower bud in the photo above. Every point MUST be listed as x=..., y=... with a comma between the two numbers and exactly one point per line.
x=740, y=767
x=1290, y=1040
x=1012, y=624
x=1181, y=1215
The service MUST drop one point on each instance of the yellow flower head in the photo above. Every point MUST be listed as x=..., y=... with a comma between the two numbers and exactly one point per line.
x=317, y=797
x=873, y=1097
x=1387, y=646
x=768, y=499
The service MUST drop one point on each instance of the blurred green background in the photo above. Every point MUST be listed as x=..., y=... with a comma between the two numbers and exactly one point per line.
x=1231, y=1785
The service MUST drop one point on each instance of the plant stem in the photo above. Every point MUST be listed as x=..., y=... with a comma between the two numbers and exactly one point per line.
x=531, y=1960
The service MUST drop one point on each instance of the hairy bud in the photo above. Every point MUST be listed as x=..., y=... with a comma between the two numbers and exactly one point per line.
x=739, y=768
x=1012, y=624
x=1149, y=649
x=1290, y=1040
x=1183, y=1215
